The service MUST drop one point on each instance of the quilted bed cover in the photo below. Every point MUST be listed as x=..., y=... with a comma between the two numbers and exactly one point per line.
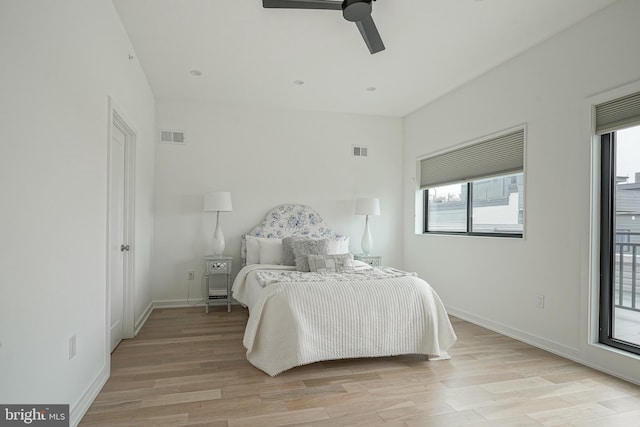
x=296, y=323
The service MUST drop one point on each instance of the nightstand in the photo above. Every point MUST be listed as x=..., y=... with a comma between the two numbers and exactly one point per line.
x=218, y=265
x=372, y=260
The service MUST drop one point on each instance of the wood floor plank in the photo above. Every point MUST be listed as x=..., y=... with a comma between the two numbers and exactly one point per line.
x=409, y=410
x=305, y=416
x=573, y=415
x=173, y=398
x=472, y=379
x=478, y=398
x=622, y=404
x=516, y=385
x=625, y=419
x=463, y=418
x=526, y=407
x=340, y=379
x=176, y=420
x=187, y=368
x=358, y=420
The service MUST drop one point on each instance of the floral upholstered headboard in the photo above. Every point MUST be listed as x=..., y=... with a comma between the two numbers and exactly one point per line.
x=289, y=220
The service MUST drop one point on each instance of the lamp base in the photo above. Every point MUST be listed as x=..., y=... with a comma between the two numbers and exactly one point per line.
x=218, y=243
x=367, y=241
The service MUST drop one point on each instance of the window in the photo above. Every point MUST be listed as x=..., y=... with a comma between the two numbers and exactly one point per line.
x=618, y=124
x=477, y=189
x=498, y=205
x=447, y=208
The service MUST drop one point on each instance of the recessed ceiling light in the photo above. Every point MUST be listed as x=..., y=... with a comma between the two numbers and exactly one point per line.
x=197, y=73
x=298, y=82
x=371, y=89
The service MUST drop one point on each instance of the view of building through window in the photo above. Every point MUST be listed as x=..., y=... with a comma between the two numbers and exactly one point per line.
x=626, y=299
x=497, y=206
x=447, y=208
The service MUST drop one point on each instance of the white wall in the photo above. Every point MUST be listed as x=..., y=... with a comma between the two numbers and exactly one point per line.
x=265, y=158
x=60, y=62
x=494, y=281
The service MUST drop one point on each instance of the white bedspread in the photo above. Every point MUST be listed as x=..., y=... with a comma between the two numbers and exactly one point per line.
x=297, y=323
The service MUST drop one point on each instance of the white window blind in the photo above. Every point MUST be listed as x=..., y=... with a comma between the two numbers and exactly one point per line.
x=618, y=114
x=496, y=156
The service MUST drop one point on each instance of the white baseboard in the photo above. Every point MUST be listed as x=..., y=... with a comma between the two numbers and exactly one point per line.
x=143, y=319
x=181, y=303
x=177, y=303
x=517, y=334
x=77, y=411
x=567, y=352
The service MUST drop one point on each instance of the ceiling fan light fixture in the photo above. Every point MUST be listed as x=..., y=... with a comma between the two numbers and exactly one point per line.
x=356, y=10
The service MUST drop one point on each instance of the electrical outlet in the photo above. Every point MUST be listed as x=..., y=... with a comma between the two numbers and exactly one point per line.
x=540, y=301
x=72, y=346
x=191, y=274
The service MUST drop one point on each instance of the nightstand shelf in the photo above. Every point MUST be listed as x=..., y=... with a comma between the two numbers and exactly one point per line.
x=218, y=265
x=372, y=260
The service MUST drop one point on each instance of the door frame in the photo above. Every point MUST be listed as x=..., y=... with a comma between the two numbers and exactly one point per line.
x=116, y=118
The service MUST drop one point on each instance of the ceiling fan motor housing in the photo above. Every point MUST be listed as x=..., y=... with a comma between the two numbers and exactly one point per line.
x=356, y=10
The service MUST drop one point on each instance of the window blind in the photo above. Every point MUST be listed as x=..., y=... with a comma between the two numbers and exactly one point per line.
x=496, y=156
x=618, y=114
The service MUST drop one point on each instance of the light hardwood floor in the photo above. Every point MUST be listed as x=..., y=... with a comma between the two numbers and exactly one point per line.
x=189, y=368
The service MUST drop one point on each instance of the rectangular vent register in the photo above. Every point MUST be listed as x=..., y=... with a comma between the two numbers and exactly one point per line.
x=359, y=151
x=172, y=136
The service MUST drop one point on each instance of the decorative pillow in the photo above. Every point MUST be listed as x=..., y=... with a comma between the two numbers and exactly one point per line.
x=304, y=247
x=342, y=263
x=253, y=248
x=288, y=258
x=270, y=251
x=339, y=245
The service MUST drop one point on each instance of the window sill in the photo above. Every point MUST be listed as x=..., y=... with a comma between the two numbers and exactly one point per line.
x=498, y=235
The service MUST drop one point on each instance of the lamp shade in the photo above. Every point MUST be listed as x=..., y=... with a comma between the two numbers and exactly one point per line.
x=368, y=206
x=217, y=201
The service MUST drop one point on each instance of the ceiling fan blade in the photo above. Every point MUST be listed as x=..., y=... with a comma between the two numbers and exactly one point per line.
x=302, y=4
x=370, y=34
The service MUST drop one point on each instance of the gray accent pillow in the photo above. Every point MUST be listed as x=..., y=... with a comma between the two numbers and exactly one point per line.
x=304, y=247
x=288, y=258
x=337, y=263
x=337, y=245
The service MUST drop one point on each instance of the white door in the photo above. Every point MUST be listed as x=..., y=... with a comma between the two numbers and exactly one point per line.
x=117, y=149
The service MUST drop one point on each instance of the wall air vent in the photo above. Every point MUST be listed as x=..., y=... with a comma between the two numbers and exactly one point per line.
x=172, y=137
x=359, y=151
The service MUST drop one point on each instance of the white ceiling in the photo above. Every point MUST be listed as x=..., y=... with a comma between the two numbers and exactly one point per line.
x=249, y=55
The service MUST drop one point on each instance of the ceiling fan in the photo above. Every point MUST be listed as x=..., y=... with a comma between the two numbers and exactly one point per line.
x=358, y=11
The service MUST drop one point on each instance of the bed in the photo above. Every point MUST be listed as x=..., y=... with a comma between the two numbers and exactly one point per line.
x=310, y=301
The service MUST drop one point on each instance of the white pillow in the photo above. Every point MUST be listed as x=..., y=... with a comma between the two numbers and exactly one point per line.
x=339, y=245
x=253, y=249
x=270, y=251
x=360, y=264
